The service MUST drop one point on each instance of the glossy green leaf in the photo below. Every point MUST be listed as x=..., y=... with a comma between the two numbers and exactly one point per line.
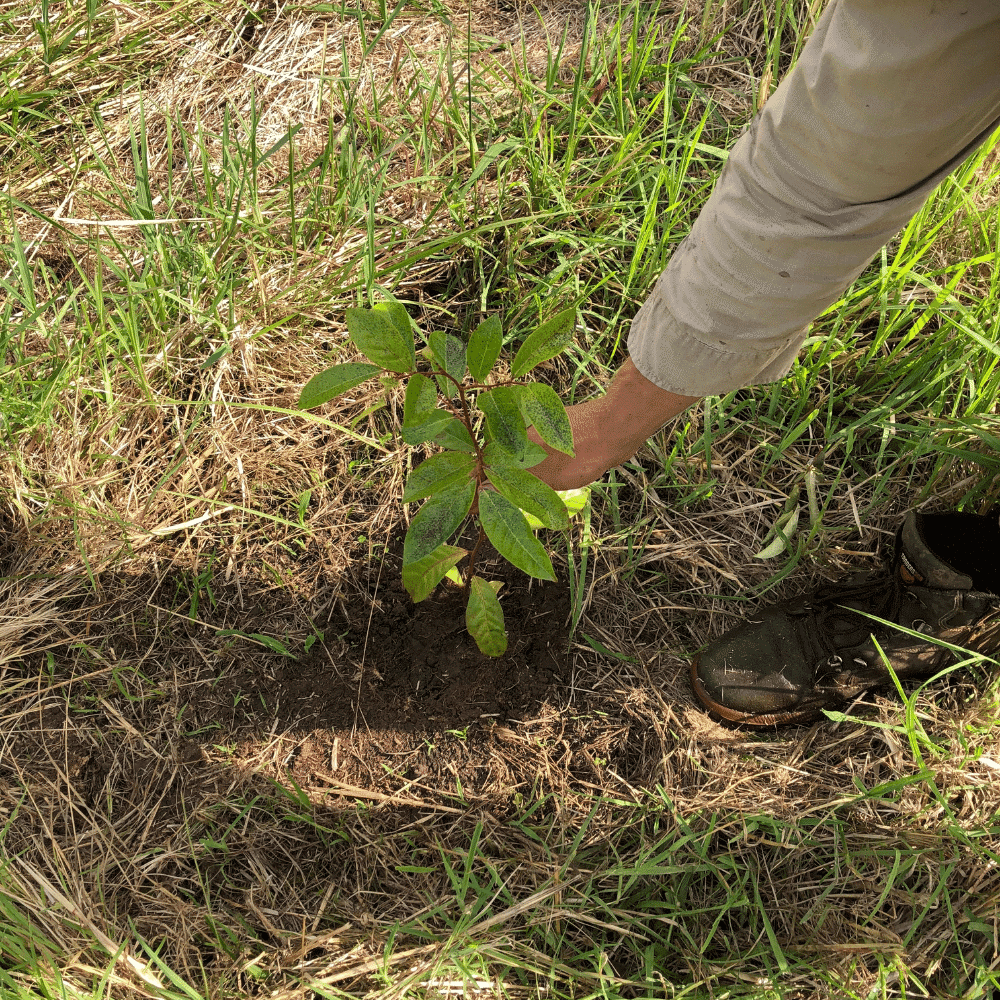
x=504, y=420
x=326, y=385
x=484, y=347
x=437, y=521
x=530, y=494
x=507, y=529
x=497, y=455
x=455, y=436
x=420, y=578
x=438, y=473
x=573, y=500
x=449, y=353
x=422, y=420
x=378, y=334
x=550, y=339
x=484, y=617
x=543, y=410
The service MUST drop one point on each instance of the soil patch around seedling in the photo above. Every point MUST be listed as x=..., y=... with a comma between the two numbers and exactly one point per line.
x=403, y=696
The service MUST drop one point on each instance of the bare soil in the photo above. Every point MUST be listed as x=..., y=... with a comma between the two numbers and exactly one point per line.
x=402, y=697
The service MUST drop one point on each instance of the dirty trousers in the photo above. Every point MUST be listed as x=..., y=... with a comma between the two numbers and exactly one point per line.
x=886, y=99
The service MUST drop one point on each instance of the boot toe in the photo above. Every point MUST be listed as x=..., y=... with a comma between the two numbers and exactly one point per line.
x=747, y=675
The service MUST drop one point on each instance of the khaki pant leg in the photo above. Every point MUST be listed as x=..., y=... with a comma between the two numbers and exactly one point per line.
x=886, y=99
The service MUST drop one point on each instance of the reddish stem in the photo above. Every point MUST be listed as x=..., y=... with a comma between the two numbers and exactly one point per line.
x=472, y=560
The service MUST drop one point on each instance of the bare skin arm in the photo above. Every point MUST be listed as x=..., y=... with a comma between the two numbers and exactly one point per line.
x=610, y=430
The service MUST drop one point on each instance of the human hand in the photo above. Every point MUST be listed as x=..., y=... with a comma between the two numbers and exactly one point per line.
x=609, y=430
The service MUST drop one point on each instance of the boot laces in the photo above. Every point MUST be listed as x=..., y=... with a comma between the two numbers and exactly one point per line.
x=839, y=626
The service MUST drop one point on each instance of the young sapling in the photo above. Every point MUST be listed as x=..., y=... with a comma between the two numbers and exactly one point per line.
x=456, y=399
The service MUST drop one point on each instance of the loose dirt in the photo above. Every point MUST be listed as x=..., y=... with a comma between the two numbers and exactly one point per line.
x=403, y=696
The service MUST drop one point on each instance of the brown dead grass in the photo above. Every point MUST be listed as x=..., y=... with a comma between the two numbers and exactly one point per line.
x=125, y=768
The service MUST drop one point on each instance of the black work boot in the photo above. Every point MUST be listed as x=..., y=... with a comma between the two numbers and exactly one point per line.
x=793, y=659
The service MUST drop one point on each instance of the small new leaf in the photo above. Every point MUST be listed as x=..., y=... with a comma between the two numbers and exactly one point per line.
x=507, y=529
x=326, y=385
x=484, y=618
x=504, y=420
x=543, y=410
x=530, y=494
x=437, y=521
x=420, y=578
x=378, y=334
x=550, y=339
x=437, y=474
x=484, y=347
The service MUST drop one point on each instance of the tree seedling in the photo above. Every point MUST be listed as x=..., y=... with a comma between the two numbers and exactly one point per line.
x=456, y=400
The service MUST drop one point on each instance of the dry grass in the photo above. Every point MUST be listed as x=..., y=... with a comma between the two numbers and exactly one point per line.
x=171, y=777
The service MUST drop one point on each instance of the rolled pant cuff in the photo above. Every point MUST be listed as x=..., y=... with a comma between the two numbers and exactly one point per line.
x=674, y=358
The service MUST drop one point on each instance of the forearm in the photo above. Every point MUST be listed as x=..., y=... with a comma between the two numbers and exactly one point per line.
x=610, y=430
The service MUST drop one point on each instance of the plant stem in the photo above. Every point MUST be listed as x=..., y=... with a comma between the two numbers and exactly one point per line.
x=467, y=420
x=472, y=559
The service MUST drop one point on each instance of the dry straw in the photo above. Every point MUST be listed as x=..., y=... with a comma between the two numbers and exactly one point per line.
x=204, y=750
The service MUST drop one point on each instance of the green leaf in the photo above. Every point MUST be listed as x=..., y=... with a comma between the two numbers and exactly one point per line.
x=550, y=339
x=507, y=529
x=504, y=420
x=543, y=410
x=420, y=578
x=530, y=494
x=484, y=347
x=398, y=316
x=449, y=352
x=784, y=529
x=265, y=640
x=437, y=474
x=573, y=500
x=487, y=159
x=421, y=399
x=484, y=618
x=377, y=333
x=454, y=435
x=276, y=645
x=428, y=430
x=436, y=521
x=422, y=420
x=323, y=387
x=496, y=455
x=215, y=357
